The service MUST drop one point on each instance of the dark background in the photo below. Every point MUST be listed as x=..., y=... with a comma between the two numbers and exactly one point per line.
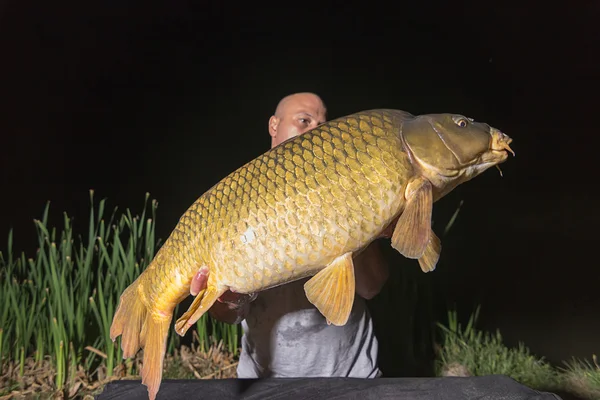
x=169, y=97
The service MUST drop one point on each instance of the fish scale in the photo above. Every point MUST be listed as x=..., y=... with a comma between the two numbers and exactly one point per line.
x=257, y=243
x=306, y=208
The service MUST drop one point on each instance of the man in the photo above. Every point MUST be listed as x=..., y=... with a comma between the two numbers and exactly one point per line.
x=284, y=334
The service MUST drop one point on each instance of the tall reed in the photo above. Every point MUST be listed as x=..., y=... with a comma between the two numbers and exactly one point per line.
x=58, y=305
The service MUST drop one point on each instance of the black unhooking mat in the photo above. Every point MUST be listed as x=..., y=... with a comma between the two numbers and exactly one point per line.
x=490, y=387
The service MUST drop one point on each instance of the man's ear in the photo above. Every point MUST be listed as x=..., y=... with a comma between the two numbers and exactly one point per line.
x=273, y=123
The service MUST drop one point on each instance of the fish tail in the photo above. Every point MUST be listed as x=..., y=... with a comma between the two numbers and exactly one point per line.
x=129, y=317
x=142, y=329
x=155, y=344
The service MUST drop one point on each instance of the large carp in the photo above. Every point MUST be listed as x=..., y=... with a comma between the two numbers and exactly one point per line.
x=304, y=208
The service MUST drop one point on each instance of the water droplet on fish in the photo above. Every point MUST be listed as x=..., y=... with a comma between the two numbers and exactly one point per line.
x=248, y=236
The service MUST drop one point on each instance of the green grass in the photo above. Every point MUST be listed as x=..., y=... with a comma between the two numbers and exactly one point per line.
x=56, y=307
x=468, y=351
x=582, y=378
x=484, y=353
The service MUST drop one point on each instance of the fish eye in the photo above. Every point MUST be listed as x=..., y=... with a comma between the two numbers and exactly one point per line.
x=460, y=121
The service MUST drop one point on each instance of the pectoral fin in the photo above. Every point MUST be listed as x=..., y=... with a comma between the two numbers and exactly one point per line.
x=412, y=231
x=202, y=302
x=332, y=290
x=430, y=257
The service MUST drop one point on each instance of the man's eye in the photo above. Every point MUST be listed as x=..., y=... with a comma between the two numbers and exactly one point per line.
x=304, y=120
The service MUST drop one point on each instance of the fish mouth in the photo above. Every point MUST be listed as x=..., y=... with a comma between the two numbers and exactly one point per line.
x=501, y=142
x=499, y=149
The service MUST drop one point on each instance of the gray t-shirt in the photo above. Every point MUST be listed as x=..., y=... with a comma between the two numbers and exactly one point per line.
x=286, y=336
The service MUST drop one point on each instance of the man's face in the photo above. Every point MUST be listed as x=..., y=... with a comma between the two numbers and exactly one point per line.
x=296, y=115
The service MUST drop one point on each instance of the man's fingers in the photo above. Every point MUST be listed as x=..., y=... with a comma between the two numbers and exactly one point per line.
x=199, y=281
x=237, y=298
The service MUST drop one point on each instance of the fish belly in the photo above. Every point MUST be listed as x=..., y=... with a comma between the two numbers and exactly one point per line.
x=266, y=255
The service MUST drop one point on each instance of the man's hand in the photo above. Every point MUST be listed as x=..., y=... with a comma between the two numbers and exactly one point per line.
x=236, y=300
x=199, y=281
x=230, y=302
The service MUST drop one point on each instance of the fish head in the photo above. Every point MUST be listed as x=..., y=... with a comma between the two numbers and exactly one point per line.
x=450, y=149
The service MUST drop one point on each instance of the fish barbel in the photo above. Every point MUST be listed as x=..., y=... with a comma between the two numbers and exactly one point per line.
x=304, y=208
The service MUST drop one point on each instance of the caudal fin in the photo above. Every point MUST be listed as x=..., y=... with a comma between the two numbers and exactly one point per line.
x=156, y=331
x=128, y=320
x=142, y=329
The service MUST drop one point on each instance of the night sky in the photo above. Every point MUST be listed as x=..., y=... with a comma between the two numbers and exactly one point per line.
x=170, y=97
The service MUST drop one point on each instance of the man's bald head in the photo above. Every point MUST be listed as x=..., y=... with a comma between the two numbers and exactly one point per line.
x=304, y=97
x=296, y=114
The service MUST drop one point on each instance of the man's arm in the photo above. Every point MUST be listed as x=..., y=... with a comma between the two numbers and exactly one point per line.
x=231, y=308
x=371, y=271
